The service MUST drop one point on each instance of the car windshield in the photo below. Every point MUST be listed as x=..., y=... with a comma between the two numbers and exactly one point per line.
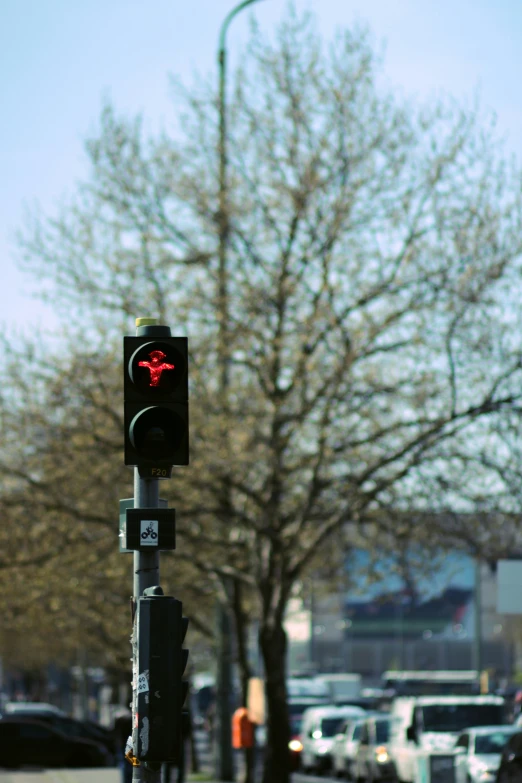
x=456, y=717
x=382, y=731
x=330, y=726
x=491, y=743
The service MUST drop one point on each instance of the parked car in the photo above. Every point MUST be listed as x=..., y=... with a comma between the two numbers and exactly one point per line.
x=345, y=746
x=373, y=761
x=81, y=730
x=510, y=767
x=479, y=750
x=26, y=742
x=62, y=722
x=320, y=725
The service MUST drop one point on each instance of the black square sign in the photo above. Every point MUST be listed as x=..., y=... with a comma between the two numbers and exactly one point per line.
x=147, y=529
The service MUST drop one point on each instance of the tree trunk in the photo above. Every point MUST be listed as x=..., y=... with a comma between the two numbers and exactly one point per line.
x=272, y=639
x=223, y=756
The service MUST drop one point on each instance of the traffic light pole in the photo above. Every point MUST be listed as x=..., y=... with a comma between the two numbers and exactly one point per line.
x=146, y=564
x=146, y=574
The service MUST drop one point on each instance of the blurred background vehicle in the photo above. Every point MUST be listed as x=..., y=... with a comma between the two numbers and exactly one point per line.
x=433, y=723
x=31, y=708
x=439, y=682
x=308, y=687
x=373, y=761
x=345, y=746
x=295, y=746
x=342, y=688
x=25, y=742
x=510, y=767
x=319, y=727
x=479, y=750
x=86, y=730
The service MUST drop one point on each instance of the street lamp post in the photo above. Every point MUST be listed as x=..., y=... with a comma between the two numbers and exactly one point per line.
x=224, y=223
x=224, y=759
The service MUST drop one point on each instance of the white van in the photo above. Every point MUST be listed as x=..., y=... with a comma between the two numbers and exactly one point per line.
x=318, y=729
x=433, y=723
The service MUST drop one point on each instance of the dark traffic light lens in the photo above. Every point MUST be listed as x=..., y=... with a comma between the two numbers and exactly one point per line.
x=156, y=433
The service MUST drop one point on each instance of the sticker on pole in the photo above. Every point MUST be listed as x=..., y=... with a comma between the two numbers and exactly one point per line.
x=149, y=532
x=143, y=682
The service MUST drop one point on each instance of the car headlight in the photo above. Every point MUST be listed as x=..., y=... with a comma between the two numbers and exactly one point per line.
x=295, y=745
x=381, y=755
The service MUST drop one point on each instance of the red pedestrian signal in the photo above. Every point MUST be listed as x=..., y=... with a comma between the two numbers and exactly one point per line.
x=156, y=366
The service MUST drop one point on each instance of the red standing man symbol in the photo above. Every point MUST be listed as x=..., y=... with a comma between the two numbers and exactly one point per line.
x=156, y=366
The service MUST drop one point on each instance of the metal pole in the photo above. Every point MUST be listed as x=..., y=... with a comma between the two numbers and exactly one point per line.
x=311, y=647
x=224, y=758
x=146, y=574
x=477, y=641
x=146, y=564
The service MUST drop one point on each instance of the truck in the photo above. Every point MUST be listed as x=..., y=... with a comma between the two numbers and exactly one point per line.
x=432, y=683
x=342, y=688
x=423, y=724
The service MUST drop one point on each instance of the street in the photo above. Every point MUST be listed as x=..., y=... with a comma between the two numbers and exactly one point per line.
x=99, y=776
x=111, y=775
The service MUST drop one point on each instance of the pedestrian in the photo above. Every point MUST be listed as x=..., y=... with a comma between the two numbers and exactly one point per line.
x=166, y=770
x=121, y=731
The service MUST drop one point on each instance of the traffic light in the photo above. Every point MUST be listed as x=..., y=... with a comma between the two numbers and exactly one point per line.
x=155, y=367
x=158, y=677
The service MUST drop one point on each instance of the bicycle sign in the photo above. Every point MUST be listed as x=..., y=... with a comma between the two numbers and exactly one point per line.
x=149, y=532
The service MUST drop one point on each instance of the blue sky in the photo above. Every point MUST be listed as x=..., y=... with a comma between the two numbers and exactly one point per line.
x=59, y=59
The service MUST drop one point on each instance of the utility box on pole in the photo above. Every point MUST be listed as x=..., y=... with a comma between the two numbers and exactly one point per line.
x=158, y=677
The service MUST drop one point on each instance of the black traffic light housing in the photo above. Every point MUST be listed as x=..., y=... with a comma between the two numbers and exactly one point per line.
x=155, y=386
x=158, y=677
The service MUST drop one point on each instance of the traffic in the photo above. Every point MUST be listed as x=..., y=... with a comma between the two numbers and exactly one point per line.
x=431, y=727
x=420, y=727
